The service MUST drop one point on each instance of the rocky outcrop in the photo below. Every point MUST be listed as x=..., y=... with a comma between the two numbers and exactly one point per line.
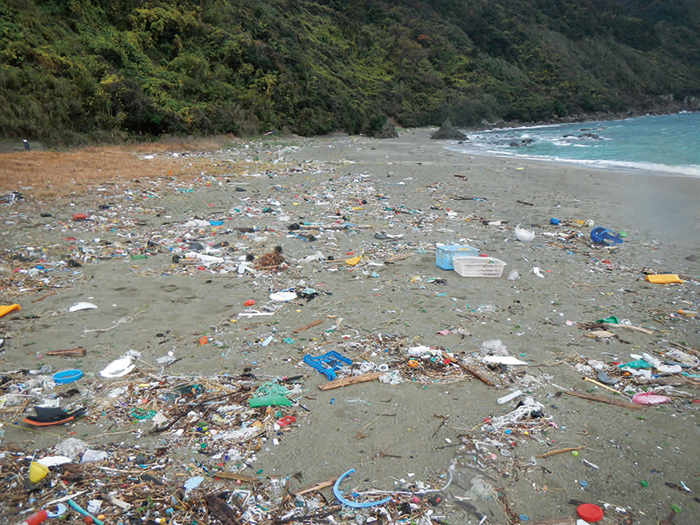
x=448, y=132
x=388, y=130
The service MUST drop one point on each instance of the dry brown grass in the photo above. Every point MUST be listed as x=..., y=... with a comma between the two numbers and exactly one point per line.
x=49, y=174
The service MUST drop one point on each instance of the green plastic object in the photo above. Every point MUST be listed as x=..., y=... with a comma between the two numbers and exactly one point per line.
x=639, y=363
x=269, y=400
x=611, y=319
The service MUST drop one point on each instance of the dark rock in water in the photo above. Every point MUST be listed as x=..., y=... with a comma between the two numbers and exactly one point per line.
x=388, y=130
x=448, y=132
x=591, y=136
x=521, y=142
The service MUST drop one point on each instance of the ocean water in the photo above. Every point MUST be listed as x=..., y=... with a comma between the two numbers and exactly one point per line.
x=666, y=144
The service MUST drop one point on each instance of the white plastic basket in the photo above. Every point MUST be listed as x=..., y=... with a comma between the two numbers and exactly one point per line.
x=478, y=266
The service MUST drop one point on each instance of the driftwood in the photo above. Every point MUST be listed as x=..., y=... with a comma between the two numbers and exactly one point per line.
x=599, y=399
x=606, y=387
x=315, y=487
x=310, y=325
x=629, y=327
x=559, y=451
x=352, y=380
x=70, y=352
x=467, y=369
x=233, y=475
x=222, y=511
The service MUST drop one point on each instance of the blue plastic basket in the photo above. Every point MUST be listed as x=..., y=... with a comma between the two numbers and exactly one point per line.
x=445, y=252
x=327, y=363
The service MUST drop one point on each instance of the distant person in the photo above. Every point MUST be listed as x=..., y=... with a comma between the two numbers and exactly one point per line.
x=26, y=145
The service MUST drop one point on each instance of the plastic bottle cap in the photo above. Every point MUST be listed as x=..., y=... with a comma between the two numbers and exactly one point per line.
x=589, y=512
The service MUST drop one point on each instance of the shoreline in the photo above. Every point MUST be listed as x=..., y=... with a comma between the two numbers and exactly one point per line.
x=686, y=170
x=647, y=169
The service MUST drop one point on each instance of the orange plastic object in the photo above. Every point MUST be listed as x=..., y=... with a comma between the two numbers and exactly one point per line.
x=7, y=308
x=203, y=340
x=664, y=278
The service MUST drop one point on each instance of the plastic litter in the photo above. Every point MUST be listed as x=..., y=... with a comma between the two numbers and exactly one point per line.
x=502, y=360
x=193, y=482
x=283, y=296
x=52, y=461
x=589, y=512
x=67, y=376
x=7, y=308
x=82, y=306
x=35, y=519
x=664, y=278
x=478, y=266
x=354, y=504
x=524, y=235
x=444, y=253
x=510, y=397
x=649, y=398
x=328, y=363
x=118, y=368
x=50, y=415
x=93, y=456
x=602, y=235
x=37, y=472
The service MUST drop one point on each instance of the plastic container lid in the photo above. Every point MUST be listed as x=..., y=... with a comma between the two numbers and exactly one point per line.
x=67, y=376
x=589, y=512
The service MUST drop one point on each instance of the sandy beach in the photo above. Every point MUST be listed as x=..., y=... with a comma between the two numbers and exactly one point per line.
x=173, y=270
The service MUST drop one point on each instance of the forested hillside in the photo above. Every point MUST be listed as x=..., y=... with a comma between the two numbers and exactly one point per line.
x=73, y=71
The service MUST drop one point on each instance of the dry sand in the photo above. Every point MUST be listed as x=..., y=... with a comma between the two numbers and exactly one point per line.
x=397, y=437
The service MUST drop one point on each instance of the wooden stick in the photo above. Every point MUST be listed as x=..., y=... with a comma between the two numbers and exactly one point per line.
x=629, y=327
x=467, y=369
x=310, y=325
x=70, y=352
x=315, y=488
x=234, y=475
x=352, y=380
x=44, y=297
x=606, y=387
x=616, y=402
x=559, y=451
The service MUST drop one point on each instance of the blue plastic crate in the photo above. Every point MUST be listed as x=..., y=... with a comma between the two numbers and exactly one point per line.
x=327, y=363
x=445, y=252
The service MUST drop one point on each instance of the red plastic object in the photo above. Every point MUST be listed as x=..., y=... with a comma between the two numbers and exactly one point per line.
x=79, y=217
x=288, y=420
x=589, y=512
x=249, y=302
x=35, y=518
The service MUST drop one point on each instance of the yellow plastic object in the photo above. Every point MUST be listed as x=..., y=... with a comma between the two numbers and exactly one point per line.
x=37, y=472
x=664, y=278
x=7, y=308
x=354, y=260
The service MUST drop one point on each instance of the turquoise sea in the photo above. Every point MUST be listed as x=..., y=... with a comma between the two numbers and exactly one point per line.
x=666, y=144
